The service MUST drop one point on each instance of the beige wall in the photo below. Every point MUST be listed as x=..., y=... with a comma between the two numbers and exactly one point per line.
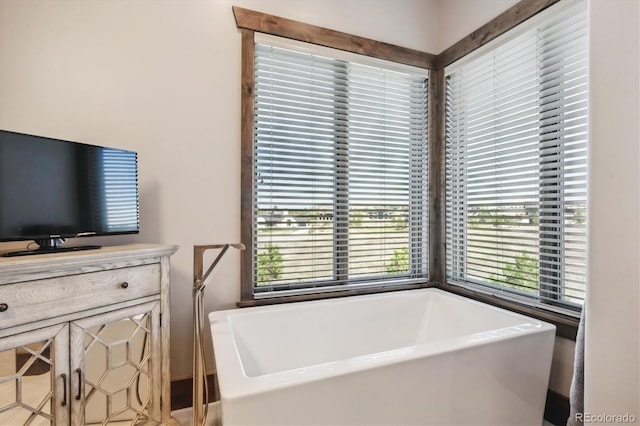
x=458, y=18
x=612, y=340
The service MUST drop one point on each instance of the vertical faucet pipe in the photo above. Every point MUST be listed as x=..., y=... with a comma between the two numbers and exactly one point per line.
x=200, y=388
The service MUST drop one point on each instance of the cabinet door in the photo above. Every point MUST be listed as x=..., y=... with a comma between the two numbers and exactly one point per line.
x=34, y=374
x=115, y=367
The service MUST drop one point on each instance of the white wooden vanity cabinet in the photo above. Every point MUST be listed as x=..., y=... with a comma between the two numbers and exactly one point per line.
x=84, y=337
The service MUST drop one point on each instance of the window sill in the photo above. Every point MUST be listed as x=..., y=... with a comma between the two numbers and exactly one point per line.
x=566, y=326
x=329, y=294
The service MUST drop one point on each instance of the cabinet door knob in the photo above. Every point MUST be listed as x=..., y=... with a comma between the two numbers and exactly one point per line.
x=3, y=307
x=124, y=284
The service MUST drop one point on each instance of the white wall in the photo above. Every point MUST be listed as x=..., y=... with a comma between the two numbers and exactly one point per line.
x=163, y=78
x=612, y=362
x=458, y=18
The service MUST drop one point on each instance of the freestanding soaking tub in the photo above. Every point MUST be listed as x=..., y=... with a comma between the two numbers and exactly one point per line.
x=417, y=357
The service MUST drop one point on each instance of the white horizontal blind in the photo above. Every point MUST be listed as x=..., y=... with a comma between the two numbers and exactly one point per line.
x=120, y=190
x=516, y=159
x=340, y=173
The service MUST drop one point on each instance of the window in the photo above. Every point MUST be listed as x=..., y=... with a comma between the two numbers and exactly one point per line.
x=516, y=162
x=339, y=170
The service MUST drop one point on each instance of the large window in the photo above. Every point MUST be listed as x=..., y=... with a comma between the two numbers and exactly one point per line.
x=516, y=162
x=339, y=170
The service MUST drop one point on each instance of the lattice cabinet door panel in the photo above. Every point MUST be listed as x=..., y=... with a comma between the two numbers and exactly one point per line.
x=34, y=374
x=116, y=367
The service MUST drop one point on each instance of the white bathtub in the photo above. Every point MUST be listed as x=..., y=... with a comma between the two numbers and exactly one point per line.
x=417, y=357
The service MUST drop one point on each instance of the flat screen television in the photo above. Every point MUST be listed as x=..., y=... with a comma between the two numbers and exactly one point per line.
x=51, y=190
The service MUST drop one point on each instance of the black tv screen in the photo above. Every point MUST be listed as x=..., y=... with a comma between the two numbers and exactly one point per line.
x=52, y=189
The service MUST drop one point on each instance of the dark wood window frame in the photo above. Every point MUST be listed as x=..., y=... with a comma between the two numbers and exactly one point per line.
x=249, y=22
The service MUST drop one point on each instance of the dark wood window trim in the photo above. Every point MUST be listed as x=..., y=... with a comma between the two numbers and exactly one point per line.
x=249, y=22
x=328, y=295
x=437, y=189
x=246, y=173
x=282, y=27
x=502, y=23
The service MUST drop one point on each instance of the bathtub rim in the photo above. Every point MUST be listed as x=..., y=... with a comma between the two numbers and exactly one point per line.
x=235, y=383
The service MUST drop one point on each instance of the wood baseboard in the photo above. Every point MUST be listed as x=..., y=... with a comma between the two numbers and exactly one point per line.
x=182, y=392
x=556, y=411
